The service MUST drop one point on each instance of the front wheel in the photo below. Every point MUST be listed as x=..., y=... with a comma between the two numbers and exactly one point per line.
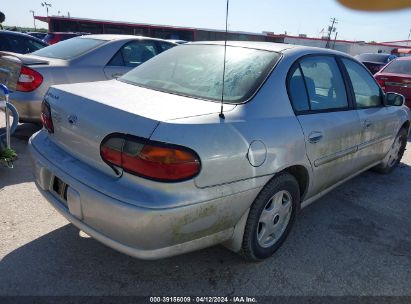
x=394, y=155
x=270, y=218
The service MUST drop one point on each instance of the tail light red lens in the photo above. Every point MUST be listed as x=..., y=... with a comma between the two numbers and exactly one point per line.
x=46, y=119
x=150, y=159
x=381, y=82
x=29, y=80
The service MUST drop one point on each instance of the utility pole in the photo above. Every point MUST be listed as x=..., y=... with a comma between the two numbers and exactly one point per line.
x=331, y=29
x=34, y=20
x=47, y=5
x=409, y=34
x=335, y=39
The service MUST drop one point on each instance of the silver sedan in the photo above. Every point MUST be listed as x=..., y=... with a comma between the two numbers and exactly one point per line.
x=80, y=59
x=173, y=156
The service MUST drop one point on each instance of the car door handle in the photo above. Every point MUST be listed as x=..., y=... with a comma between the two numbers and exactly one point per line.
x=367, y=124
x=116, y=75
x=315, y=137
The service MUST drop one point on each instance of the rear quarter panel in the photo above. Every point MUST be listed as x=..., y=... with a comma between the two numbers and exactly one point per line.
x=223, y=144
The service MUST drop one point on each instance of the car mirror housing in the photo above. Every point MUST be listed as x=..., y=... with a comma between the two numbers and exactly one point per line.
x=394, y=99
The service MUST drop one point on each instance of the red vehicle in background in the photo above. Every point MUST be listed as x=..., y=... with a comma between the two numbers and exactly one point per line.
x=396, y=77
x=52, y=38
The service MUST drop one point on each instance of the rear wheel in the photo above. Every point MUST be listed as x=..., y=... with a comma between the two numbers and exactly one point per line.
x=395, y=153
x=271, y=217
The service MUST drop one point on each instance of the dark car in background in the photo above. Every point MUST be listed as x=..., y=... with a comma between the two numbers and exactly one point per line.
x=19, y=43
x=52, y=38
x=39, y=35
x=396, y=77
x=375, y=61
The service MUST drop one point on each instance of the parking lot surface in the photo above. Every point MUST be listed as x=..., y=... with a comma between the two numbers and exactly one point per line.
x=356, y=240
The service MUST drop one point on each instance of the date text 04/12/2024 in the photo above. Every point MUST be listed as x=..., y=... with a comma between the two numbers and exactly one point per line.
x=240, y=299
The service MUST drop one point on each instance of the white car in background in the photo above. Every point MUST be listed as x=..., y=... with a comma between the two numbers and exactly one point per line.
x=80, y=59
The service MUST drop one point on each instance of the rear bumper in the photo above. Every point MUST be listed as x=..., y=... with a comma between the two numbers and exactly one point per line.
x=28, y=104
x=134, y=230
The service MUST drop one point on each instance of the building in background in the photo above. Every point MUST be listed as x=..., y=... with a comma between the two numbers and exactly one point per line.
x=94, y=26
x=351, y=47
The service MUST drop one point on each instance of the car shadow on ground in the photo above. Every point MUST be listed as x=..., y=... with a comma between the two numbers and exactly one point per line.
x=334, y=248
x=22, y=170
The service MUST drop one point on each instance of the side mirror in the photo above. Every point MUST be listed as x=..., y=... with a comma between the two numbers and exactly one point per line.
x=394, y=99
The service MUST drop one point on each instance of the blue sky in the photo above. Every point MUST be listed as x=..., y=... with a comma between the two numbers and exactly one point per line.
x=294, y=16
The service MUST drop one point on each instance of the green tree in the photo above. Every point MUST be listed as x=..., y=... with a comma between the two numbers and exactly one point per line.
x=2, y=18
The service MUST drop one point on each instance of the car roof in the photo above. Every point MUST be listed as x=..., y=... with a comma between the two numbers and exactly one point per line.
x=110, y=37
x=272, y=46
x=404, y=58
x=378, y=54
x=11, y=33
x=14, y=33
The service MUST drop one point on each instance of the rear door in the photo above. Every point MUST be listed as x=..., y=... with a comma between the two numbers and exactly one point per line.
x=130, y=55
x=378, y=123
x=330, y=124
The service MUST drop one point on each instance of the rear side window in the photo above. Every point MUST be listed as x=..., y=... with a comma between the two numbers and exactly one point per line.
x=134, y=53
x=165, y=46
x=316, y=84
x=367, y=92
x=297, y=91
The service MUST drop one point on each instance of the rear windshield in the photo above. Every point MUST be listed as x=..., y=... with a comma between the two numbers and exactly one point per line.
x=383, y=58
x=399, y=67
x=197, y=71
x=70, y=48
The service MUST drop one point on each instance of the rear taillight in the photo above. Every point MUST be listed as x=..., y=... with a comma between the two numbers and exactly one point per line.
x=381, y=82
x=29, y=80
x=150, y=159
x=46, y=117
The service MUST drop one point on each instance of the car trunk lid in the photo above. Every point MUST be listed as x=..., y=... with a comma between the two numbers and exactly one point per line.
x=26, y=59
x=85, y=113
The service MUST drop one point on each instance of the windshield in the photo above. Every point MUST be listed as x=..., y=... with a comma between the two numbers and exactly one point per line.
x=70, y=48
x=399, y=67
x=197, y=71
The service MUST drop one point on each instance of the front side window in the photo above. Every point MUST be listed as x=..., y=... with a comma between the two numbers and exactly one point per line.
x=197, y=71
x=366, y=90
x=70, y=48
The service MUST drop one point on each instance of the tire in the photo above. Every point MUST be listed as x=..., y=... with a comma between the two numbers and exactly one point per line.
x=394, y=155
x=271, y=217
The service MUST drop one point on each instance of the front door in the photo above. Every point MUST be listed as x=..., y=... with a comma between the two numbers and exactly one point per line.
x=378, y=122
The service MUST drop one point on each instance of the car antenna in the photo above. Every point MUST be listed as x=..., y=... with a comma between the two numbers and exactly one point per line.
x=225, y=51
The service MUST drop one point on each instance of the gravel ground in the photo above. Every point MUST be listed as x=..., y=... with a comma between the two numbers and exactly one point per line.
x=354, y=241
